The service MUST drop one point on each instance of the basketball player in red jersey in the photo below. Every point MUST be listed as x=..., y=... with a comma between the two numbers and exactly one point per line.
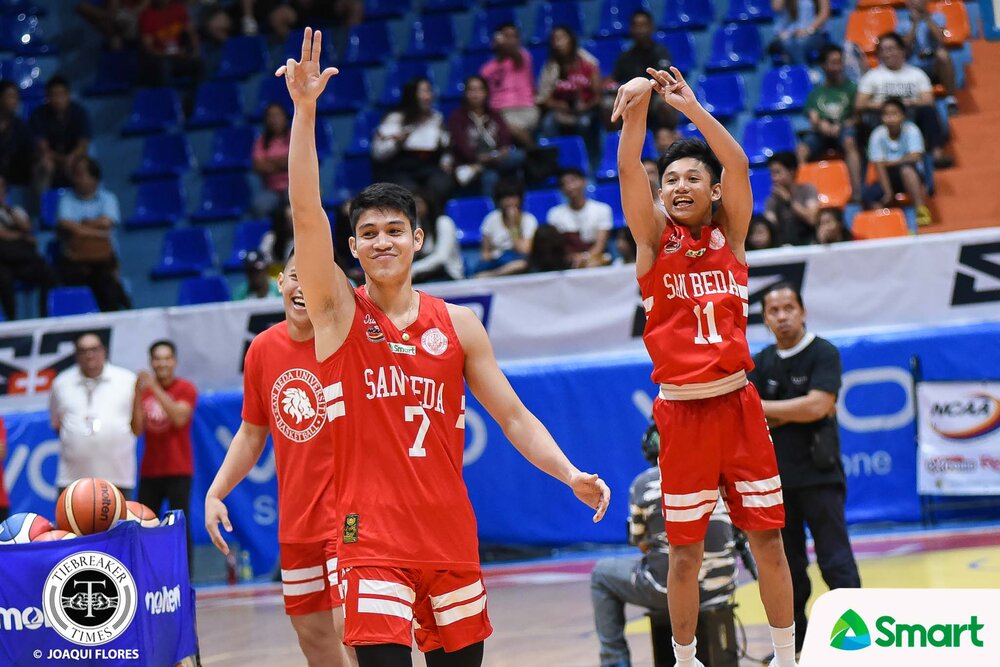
x=408, y=543
x=691, y=267
x=283, y=396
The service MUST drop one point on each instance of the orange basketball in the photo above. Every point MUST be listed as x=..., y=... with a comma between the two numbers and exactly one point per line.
x=141, y=513
x=53, y=535
x=90, y=505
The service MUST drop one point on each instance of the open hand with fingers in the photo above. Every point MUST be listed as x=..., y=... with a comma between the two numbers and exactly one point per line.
x=672, y=87
x=304, y=78
x=630, y=95
x=593, y=492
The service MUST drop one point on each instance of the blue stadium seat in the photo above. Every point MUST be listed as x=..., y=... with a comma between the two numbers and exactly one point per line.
x=687, y=15
x=765, y=136
x=723, y=95
x=760, y=185
x=551, y=14
x=443, y=6
x=608, y=168
x=368, y=44
x=164, y=155
x=607, y=52
x=232, y=148
x=158, y=203
x=610, y=194
x=224, y=196
x=23, y=34
x=292, y=48
x=615, y=16
x=398, y=74
x=26, y=75
x=734, y=46
x=64, y=301
x=324, y=140
x=385, y=9
x=50, y=207
x=153, y=110
x=242, y=57
x=539, y=54
x=210, y=289
x=432, y=37
x=468, y=214
x=690, y=131
x=272, y=90
x=217, y=104
x=538, y=202
x=347, y=92
x=682, y=51
x=784, y=89
x=572, y=152
x=352, y=175
x=185, y=252
x=10, y=7
x=246, y=238
x=365, y=124
x=115, y=73
x=484, y=24
x=462, y=66
x=749, y=10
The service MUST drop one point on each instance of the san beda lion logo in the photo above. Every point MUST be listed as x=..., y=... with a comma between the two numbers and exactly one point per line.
x=298, y=404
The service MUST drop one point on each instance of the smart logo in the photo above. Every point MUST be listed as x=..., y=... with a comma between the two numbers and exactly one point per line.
x=850, y=632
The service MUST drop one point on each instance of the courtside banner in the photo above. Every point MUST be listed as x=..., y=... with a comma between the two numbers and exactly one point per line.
x=958, y=438
x=915, y=627
x=939, y=278
x=117, y=598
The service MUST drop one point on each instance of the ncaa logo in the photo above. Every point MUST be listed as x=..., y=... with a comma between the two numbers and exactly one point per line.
x=298, y=404
x=89, y=598
x=970, y=417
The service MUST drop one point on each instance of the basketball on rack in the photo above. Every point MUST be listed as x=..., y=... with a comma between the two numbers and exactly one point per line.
x=90, y=505
x=23, y=527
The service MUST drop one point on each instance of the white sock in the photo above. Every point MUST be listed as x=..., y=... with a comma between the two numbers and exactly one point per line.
x=784, y=646
x=684, y=653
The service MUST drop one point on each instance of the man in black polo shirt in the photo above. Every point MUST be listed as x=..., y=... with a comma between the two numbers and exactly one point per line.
x=798, y=380
x=644, y=52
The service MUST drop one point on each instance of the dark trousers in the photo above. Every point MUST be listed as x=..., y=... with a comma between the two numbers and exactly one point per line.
x=20, y=260
x=102, y=279
x=176, y=490
x=820, y=507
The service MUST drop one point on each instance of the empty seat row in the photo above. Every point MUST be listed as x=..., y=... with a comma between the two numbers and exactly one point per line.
x=190, y=251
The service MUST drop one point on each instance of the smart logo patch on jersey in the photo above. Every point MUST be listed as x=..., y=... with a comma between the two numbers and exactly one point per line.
x=695, y=253
x=399, y=348
x=717, y=239
x=434, y=342
x=350, y=529
x=298, y=404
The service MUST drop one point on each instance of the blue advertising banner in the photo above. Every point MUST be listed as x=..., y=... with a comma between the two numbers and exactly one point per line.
x=117, y=598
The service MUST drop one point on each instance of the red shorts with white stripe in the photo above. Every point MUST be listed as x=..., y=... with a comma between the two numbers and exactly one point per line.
x=381, y=604
x=712, y=444
x=310, y=580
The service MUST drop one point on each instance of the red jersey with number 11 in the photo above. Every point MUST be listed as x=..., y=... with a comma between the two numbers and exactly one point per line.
x=696, y=302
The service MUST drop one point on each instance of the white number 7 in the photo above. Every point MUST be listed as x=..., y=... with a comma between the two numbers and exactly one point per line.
x=410, y=412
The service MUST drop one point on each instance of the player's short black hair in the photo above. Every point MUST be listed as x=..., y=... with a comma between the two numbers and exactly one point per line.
x=57, y=80
x=163, y=342
x=892, y=36
x=893, y=102
x=786, y=159
x=641, y=12
x=383, y=197
x=827, y=49
x=777, y=287
x=692, y=148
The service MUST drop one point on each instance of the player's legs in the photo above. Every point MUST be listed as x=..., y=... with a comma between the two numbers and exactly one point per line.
x=683, y=596
x=379, y=610
x=310, y=584
x=470, y=656
x=384, y=655
x=450, y=610
x=320, y=641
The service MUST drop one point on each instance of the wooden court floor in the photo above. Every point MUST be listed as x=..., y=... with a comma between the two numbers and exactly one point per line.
x=542, y=616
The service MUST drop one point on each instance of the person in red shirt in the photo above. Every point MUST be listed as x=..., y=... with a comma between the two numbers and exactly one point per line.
x=692, y=272
x=4, y=500
x=400, y=359
x=283, y=396
x=169, y=46
x=167, y=405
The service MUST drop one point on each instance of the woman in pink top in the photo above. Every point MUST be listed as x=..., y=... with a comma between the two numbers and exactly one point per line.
x=270, y=161
x=510, y=77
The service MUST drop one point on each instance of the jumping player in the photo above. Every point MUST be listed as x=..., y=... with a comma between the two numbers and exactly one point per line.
x=408, y=543
x=691, y=267
x=283, y=396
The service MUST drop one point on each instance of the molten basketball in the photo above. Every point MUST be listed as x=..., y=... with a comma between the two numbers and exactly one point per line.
x=54, y=535
x=139, y=512
x=90, y=505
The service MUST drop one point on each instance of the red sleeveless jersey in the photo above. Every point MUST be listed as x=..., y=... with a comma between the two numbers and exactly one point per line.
x=401, y=496
x=282, y=390
x=696, y=304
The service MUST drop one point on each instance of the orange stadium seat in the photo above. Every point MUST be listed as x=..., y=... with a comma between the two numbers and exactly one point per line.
x=832, y=181
x=864, y=26
x=881, y=223
x=957, y=29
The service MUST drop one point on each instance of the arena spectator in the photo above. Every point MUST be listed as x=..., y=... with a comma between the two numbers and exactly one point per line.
x=15, y=137
x=548, y=251
x=510, y=78
x=62, y=134
x=830, y=109
x=830, y=228
x=894, y=77
x=507, y=233
x=440, y=257
x=95, y=409
x=19, y=257
x=626, y=247
x=584, y=222
x=569, y=90
x=410, y=147
x=167, y=406
x=270, y=161
x=258, y=283
x=791, y=207
x=86, y=218
x=4, y=498
x=662, y=138
x=170, y=50
x=896, y=148
x=481, y=142
x=116, y=20
x=798, y=26
x=924, y=34
x=644, y=52
x=760, y=234
x=276, y=244
x=653, y=173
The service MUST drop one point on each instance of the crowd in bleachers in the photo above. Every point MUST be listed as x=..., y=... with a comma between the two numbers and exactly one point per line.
x=503, y=132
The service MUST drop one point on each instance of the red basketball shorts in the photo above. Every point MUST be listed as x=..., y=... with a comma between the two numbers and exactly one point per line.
x=310, y=580
x=390, y=605
x=711, y=445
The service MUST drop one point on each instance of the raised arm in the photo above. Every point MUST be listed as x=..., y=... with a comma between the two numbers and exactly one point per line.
x=737, y=198
x=327, y=291
x=645, y=221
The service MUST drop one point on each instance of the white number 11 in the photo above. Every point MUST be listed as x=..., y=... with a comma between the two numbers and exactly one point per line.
x=713, y=332
x=410, y=413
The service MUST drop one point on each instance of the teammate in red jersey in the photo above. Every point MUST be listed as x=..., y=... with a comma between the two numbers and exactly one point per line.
x=283, y=396
x=691, y=267
x=408, y=544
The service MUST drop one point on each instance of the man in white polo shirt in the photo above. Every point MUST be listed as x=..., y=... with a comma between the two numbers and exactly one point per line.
x=94, y=408
x=584, y=223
